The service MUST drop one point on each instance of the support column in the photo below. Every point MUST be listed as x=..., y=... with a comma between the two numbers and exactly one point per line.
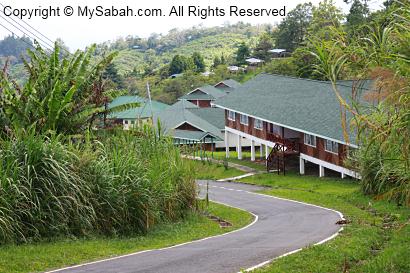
x=321, y=171
x=239, y=146
x=266, y=151
x=343, y=175
x=252, y=150
x=301, y=166
x=226, y=144
x=261, y=150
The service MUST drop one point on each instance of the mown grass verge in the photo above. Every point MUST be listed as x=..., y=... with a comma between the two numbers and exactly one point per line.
x=46, y=255
x=211, y=170
x=377, y=239
x=245, y=161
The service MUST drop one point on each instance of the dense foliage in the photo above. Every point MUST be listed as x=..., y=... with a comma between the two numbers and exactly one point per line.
x=60, y=176
x=382, y=54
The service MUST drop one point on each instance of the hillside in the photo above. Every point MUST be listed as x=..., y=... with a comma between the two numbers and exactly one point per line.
x=137, y=53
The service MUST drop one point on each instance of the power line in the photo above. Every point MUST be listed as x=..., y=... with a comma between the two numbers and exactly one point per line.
x=30, y=26
x=29, y=44
x=46, y=46
x=37, y=38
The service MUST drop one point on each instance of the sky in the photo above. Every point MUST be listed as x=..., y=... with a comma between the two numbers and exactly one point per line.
x=79, y=31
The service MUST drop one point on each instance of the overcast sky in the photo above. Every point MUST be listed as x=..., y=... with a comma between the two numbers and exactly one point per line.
x=78, y=32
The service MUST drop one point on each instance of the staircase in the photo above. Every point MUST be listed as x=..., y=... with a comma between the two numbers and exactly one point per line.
x=277, y=157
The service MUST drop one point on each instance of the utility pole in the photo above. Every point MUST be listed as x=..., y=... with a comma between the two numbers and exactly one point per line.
x=150, y=103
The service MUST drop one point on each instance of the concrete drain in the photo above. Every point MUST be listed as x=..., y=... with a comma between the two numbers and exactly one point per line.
x=222, y=223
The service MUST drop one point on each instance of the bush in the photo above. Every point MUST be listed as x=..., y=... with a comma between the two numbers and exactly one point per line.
x=117, y=185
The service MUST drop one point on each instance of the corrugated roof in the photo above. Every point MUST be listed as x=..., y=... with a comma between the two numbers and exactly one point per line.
x=144, y=111
x=305, y=105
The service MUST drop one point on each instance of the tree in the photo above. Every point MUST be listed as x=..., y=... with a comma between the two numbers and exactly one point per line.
x=325, y=18
x=110, y=74
x=216, y=62
x=177, y=65
x=293, y=29
x=357, y=16
x=198, y=62
x=61, y=95
x=265, y=44
x=325, y=26
x=242, y=53
x=382, y=123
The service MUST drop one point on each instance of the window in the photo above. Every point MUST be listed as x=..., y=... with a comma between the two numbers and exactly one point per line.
x=125, y=121
x=310, y=140
x=258, y=124
x=331, y=146
x=274, y=129
x=244, y=119
x=231, y=115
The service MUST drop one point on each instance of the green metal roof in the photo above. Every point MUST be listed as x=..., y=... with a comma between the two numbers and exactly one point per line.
x=144, y=111
x=305, y=105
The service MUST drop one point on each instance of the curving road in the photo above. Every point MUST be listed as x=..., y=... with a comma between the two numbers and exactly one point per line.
x=280, y=226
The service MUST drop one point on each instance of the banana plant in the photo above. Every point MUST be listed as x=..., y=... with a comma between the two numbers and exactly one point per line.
x=63, y=94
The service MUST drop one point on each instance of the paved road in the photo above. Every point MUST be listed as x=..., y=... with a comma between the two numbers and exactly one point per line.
x=281, y=226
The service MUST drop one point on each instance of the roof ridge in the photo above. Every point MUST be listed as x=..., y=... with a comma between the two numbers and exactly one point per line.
x=311, y=80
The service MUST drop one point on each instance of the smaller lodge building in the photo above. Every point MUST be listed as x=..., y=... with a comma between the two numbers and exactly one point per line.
x=204, y=96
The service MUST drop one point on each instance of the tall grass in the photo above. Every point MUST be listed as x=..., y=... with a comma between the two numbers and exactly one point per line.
x=122, y=183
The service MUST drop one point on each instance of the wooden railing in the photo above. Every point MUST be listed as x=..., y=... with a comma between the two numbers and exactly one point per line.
x=277, y=157
x=290, y=143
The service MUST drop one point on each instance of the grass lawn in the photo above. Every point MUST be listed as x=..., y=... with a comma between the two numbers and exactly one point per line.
x=212, y=171
x=245, y=161
x=48, y=255
x=376, y=240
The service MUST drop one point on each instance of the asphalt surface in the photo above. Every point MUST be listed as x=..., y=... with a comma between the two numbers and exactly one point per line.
x=281, y=226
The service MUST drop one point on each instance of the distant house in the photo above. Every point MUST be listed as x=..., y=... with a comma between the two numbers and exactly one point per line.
x=173, y=76
x=204, y=95
x=227, y=85
x=279, y=52
x=207, y=73
x=233, y=68
x=254, y=61
x=289, y=117
x=138, y=115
